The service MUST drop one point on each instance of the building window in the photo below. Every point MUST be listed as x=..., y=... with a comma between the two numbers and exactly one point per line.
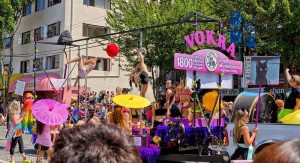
x=89, y=30
x=98, y=66
x=52, y=62
x=39, y=64
x=6, y=43
x=105, y=4
x=26, y=37
x=53, y=2
x=27, y=10
x=38, y=35
x=39, y=5
x=24, y=67
x=104, y=65
x=53, y=29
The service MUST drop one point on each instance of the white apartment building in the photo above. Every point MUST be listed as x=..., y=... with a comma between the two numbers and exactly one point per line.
x=44, y=21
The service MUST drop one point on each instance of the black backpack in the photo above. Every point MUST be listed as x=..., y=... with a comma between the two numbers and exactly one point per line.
x=65, y=38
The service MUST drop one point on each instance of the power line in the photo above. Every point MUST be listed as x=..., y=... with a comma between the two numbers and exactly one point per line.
x=53, y=51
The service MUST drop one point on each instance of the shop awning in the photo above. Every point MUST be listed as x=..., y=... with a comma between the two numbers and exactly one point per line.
x=12, y=78
x=42, y=82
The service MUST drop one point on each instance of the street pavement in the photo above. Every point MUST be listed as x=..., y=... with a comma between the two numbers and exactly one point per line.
x=29, y=149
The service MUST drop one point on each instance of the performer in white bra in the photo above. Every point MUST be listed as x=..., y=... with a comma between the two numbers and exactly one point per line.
x=84, y=66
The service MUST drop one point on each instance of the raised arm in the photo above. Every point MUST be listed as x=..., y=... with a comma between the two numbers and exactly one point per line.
x=141, y=56
x=87, y=61
x=287, y=74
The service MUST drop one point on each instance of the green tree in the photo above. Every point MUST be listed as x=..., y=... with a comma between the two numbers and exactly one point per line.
x=11, y=12
x=6, y=25
x=276, y=24
x=160, y=43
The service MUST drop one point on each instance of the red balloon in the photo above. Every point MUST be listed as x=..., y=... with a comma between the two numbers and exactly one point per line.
x=112, y=50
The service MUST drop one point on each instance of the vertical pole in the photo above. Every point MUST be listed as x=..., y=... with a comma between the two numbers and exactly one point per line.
x=63, y=89
x=78, y=86
x=141, y=109
x=220, y=108
x=220, y=85
x=71, y=28
x=34, y=73
x=240, y=59
x=195, y=88
x=257, y=107
x=85, y=82
x=141, y=40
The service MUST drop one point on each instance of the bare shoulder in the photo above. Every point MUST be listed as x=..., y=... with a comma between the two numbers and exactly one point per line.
x=245, y=129
x=169, y=91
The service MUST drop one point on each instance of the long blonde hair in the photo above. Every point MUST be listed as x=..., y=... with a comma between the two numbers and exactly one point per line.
x=14, y=107
x=238, y=124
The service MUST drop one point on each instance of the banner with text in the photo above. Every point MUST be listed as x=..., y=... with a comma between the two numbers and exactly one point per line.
x=208, y=60
x=261, y=70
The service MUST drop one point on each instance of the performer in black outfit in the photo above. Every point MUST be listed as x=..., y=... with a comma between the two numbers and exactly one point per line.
x=143, y=74
x=292, y=103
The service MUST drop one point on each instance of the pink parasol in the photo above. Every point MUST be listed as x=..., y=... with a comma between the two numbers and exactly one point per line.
x=50, y=112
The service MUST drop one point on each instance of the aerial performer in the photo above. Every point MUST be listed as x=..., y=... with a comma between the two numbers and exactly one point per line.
x=143, y=75
x=290, y=114
x=27, y=122
x=84, y=66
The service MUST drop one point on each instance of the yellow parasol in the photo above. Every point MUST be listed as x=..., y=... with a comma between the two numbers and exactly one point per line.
x=209, y=100
x=292, y=118
x=131, y=101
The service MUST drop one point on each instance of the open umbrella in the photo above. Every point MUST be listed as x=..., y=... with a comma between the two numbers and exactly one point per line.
x=131, y=101
x=292, y=118
x=50, y=112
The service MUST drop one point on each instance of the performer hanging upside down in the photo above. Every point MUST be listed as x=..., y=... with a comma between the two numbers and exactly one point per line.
x=143, y=73
x=84, y=66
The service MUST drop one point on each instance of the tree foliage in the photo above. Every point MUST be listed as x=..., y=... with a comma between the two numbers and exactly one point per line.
x=160, y=43
x=7, y=22
x=11, y=12
x=276, y=24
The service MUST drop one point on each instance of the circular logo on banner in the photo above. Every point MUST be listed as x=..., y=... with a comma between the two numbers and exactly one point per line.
x=211, y=61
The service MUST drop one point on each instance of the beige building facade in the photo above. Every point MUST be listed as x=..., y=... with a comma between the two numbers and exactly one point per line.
x=45, y=20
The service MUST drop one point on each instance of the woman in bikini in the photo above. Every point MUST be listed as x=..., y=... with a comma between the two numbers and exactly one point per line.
x=84, y=66
x=184, y=97
x=143, y=74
